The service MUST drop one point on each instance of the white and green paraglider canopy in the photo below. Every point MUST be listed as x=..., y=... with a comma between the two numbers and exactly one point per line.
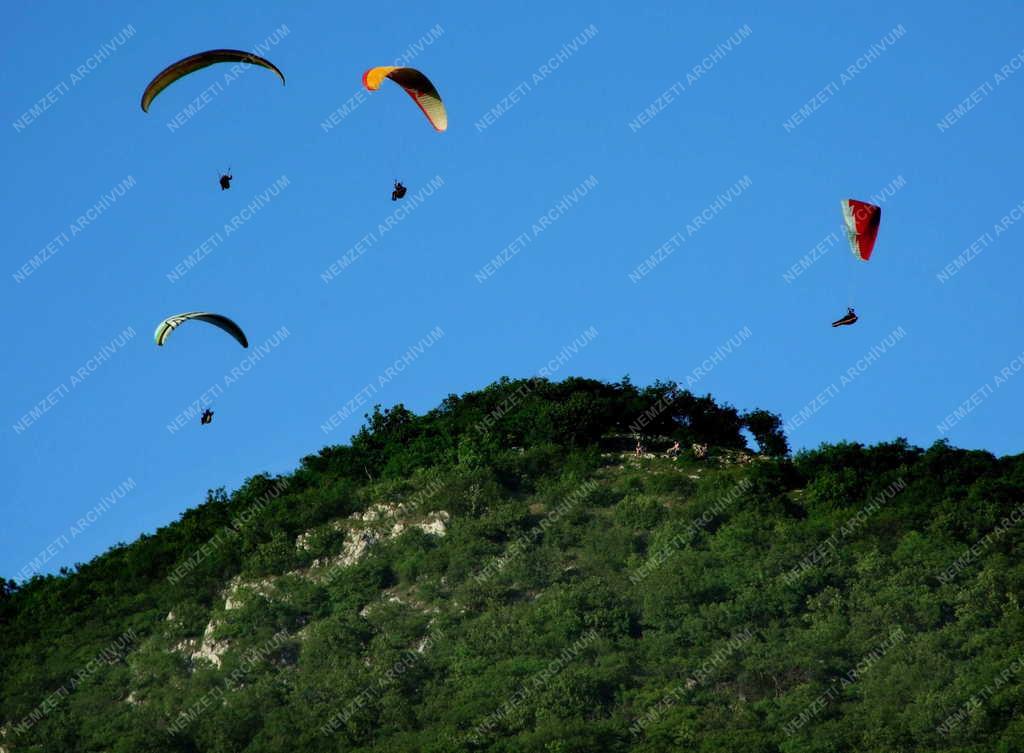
x=168, y=325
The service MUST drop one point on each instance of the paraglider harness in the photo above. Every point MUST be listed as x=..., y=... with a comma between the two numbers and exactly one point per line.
x=225, y=180
x=399, y=191
x=207, y=417
x=849, y=318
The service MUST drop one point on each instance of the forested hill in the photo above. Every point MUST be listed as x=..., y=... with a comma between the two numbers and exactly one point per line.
x=505, y=573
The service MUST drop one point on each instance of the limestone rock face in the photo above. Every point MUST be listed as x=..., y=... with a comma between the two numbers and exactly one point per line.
x=363, y=530
x=210, y=649
x=380, y=522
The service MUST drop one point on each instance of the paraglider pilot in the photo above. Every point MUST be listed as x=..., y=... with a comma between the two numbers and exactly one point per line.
x=207, y=417
x=849, y=318
x=225, y=182
x=399, y=191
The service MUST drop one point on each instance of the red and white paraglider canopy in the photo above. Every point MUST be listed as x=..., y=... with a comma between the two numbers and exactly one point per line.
x=862, y=221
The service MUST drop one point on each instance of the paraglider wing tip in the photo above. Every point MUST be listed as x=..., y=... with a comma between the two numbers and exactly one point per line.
x=374, y=77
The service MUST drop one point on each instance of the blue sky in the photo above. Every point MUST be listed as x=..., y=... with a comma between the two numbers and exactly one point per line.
x=556, y=122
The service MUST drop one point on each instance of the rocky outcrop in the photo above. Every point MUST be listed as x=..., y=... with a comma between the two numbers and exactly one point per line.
x=363, y=530
x=303, y=540
x=238, y=590
x=210, y=649
x=380, y=522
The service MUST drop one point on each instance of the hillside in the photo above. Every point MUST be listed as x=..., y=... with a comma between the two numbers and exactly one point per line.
x=504, y=573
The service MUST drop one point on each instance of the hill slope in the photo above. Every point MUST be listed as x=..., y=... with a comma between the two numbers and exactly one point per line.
x=504, y=574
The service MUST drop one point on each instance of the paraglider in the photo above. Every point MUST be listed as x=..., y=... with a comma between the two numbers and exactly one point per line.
x=423, y=93
x=225, y=180
x=862, y=220
x=193, y=63
x=168, y=325
x=417, y=86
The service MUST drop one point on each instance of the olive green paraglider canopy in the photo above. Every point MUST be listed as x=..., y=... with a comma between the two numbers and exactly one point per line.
x=168, y=325
x=193, y=63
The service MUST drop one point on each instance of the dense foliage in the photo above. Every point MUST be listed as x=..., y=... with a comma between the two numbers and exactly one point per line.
x=579, y=599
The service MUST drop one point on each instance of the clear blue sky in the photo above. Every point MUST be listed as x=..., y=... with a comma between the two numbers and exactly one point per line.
x=567, y=124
